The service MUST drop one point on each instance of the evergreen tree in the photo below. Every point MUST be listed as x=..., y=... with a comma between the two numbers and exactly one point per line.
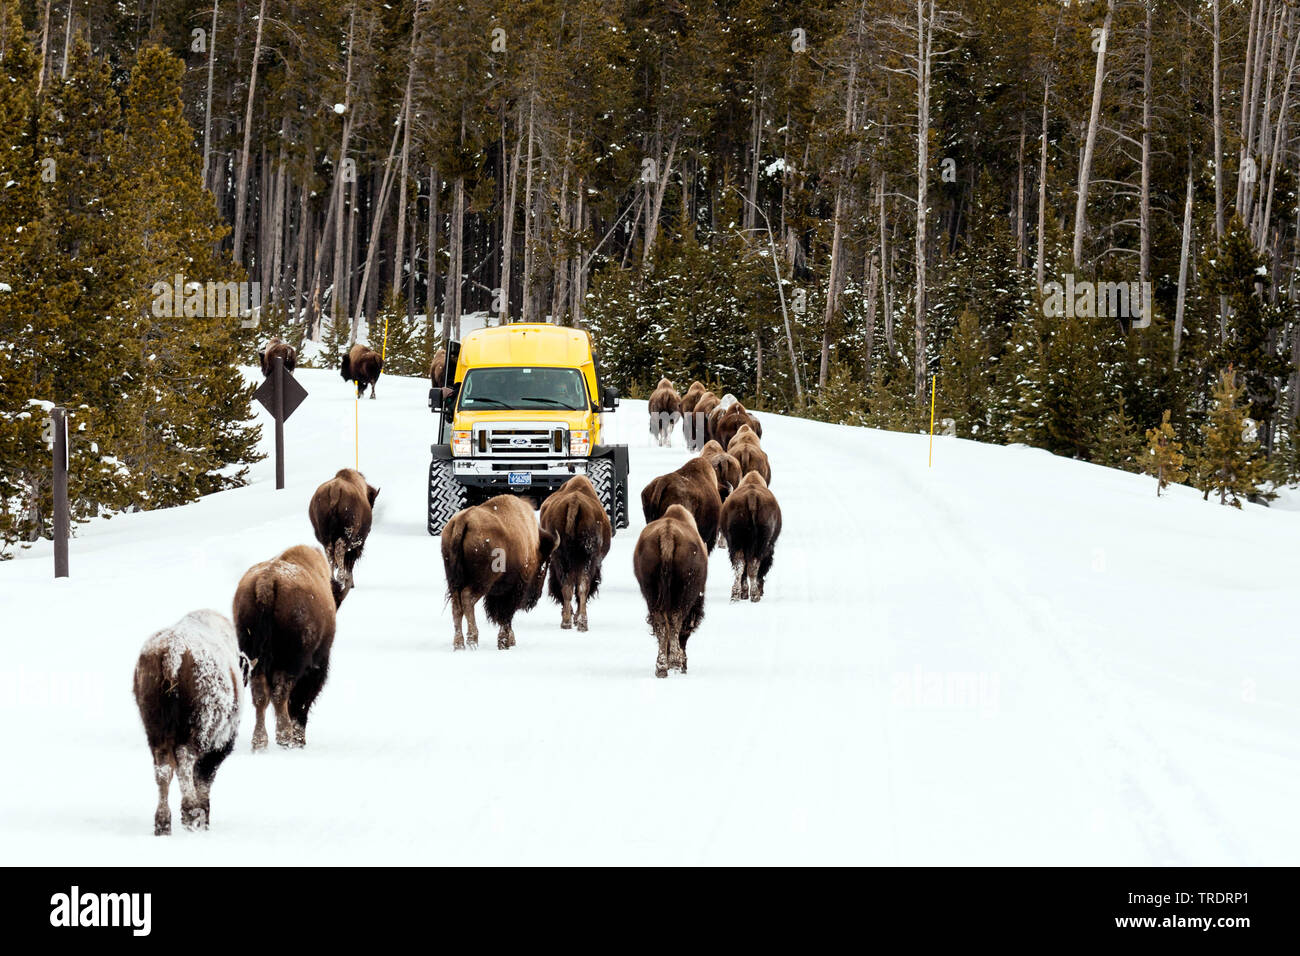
x=1116, y=441
x=1164, y=457
x=1227, y=463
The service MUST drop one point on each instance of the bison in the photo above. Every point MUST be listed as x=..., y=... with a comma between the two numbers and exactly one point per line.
x=284, y=616
x=751, y=523
x=692, y=396
x=574, y=516
x=695, y=426
x=746, y=449
x=187, y=687
x=438, y=368
x=725, y=426
x=671, y=565
x=725, y=466
x=362, y=365
x=341, y=512
x=694, y=486
x=665, y=411
x=496, y=553
x=283, y=350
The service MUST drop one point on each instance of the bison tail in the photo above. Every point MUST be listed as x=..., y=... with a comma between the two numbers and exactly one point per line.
x=346, y=368
x=162, y=708
x=256, y=639
x=453, y=558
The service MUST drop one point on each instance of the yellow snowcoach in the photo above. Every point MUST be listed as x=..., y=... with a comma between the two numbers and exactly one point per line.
x=519, y=411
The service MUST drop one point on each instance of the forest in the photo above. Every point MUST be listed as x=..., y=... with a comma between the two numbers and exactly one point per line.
x=1074, y=224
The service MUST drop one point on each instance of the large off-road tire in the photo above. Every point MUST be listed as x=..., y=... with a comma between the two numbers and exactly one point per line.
x=446, y=495
x=612, y=493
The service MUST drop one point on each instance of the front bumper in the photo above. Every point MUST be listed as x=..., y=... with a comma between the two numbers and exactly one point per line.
x=495, y=472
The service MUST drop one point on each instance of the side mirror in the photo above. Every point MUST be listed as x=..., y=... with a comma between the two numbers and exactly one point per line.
x=611, y=398
x=435, y=399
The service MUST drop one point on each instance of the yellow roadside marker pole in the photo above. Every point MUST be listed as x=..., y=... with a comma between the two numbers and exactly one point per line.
x=383, y=349
x=933, y=381
x=356, y=436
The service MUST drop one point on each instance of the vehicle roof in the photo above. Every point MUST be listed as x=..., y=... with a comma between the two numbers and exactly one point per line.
x=526, y=343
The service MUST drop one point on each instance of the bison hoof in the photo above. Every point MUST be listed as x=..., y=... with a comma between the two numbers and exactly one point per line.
x=194, y=819
x=162, y=827
x=259, y=740
x=661, y=671
x=567, y=625
x=582, y=625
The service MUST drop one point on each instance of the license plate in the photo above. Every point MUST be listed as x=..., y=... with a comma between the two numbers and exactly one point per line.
x=520, y=479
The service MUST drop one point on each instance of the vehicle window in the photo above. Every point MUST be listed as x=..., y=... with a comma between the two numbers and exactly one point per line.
x=524, y=389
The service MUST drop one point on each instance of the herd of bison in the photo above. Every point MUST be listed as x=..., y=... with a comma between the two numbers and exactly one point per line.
x=188, y=677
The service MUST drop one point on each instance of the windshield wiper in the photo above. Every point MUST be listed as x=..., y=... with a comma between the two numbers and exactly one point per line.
x=494, y=401
x=549, y=401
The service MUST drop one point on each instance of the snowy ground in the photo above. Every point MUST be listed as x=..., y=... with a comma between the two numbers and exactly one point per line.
x=1008, y=658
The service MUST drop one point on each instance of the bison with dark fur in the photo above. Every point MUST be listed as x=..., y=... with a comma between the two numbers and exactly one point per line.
x=671, y=565
x=341, y=511
x=574, y=516
x=694, y=486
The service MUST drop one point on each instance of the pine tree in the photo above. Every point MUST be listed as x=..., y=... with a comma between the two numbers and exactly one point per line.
x=1116, y=441
x=842, y=400
x=403, y=346
x=1164, y=457
x=1227, y=463
x=963, y=393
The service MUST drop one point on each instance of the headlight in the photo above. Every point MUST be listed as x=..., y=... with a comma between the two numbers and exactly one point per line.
x=460, y=444
x=579, y=444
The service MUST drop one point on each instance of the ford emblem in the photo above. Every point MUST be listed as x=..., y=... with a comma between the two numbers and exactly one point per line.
x=518, y=442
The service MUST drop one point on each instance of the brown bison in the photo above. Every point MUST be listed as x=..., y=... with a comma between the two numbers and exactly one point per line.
x=665, y=411
x=694, y=486
x=725, y=466
x=438, y=368
x=284, y=616
x=283, y=350
x=725, y=426
x=692, y=396
x=362, y=365
x=671, y=564
x=746, y=449
x=695, y=426
x=576, y=519
x=341, y=511
x=751, y=523
x=187, y=688
x=496, y=553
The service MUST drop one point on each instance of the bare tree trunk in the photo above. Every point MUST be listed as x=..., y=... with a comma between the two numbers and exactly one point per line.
x=924, y=53
x=652, y=213
x=1020, y=196
x=67, y=42
x=377, y=222
x=884, y=272
x=508, y=226
x=455, y=241
x=1090, y=139
x=45, y=48
x=873, y=296
x=431, y=274
x=578, y=226
x=1278, y=137
x=207, y=109
x=241, y=185
x=1218, y=161
x=526, y=304
x=1183, y=259
x=1040, y=265
x=399, y=255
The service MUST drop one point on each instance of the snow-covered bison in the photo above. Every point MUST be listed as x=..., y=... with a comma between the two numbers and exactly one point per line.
x=187, y=687
x=746, y=449
x=494, y=552
x=574, y=516
x=341, y=511
x=751, y=523
x=284, y=617
x=694, y=486
x=362, y=365
x=665, y=411
x=671, y=566
x=284, y=350
x=725, y=466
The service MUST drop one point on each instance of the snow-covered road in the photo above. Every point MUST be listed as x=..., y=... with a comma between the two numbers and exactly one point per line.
x=1006, y=658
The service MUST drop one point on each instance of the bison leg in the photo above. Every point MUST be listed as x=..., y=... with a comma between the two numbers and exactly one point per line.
x=372, y=391
x=584, y=585
x=738, y=584
x=261, y=695
x=162, y=774
x=506, y=636
x=566, y=595
x=280, y=700
x=755, y=584
x=661, y=635
x=304, y=693
x=193, y=816
x=467, y=602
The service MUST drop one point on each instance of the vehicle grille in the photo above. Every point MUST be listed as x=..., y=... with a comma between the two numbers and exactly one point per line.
x=526, y=441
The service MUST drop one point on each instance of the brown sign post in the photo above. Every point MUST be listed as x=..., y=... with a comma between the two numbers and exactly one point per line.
x=59, y=418
x=280, y=395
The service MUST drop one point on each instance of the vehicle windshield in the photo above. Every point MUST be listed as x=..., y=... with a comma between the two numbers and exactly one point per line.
x=523, y=389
